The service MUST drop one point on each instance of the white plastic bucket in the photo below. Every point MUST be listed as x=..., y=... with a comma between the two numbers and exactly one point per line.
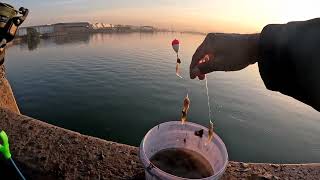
x=173, y=134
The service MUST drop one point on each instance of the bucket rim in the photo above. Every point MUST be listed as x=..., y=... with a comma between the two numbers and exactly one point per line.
x=147, y=163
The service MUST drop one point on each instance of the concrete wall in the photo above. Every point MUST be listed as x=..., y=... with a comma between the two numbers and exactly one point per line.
x=43, y=150
x=7, y=99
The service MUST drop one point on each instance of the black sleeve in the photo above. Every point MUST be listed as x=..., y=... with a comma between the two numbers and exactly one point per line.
x=290, y=60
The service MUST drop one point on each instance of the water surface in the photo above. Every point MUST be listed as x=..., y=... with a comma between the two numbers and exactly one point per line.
x=118, y=86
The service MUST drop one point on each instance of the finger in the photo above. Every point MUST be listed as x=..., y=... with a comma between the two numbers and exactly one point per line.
x=195, y=72
x=202, y=62
x=202, y=77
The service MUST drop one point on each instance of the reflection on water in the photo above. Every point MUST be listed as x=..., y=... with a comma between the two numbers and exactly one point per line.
x=72, y=39
x=32, y=44
x=118, y=86
x=28, y=43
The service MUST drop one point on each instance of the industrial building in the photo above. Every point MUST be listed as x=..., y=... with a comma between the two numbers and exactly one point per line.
x=147, y=29
x=42, y=30
x=76, y=27
x=57, y=29
x=101, y=26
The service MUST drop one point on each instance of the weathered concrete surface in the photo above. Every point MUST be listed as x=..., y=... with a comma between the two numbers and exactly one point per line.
x=45, y=151
x=7, y=99
x=252, y=171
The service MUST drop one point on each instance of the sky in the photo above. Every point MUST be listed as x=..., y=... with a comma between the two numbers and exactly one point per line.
x=237, y=16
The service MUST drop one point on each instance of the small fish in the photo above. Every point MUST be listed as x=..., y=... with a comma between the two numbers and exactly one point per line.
x=178, y=67
x=183, y=117
x=210, y=132
x=185, y=109
x=186, y=103
x=177, y=71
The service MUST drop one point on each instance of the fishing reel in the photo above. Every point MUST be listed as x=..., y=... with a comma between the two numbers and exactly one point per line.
x=10, y=20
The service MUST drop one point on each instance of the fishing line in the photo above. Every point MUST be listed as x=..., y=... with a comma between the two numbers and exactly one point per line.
x=208, y=97
x=17, y=169
x=175, y=45
x=184, y=84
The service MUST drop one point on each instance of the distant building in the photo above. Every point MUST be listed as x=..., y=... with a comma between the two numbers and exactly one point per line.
x=107, y=25
x=147, y=29
x=22, y=31
x=42, y=30
x=135, y=28
x=101, y=26
x=122, y=28
x=76, y=27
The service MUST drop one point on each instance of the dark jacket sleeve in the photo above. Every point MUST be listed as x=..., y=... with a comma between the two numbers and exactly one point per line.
x=290, y=60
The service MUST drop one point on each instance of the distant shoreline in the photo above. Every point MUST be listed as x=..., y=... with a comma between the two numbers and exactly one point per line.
x=60, y=29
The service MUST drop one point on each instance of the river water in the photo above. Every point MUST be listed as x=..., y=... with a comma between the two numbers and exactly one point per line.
x=118, y=86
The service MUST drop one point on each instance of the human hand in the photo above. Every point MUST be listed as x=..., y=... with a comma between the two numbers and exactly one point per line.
x=224, y=52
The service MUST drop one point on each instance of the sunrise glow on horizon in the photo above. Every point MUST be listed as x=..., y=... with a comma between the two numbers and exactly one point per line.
x=244, y=16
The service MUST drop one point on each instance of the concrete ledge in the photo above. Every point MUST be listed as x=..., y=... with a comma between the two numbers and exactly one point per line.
x=7, y=99
x=45, y=151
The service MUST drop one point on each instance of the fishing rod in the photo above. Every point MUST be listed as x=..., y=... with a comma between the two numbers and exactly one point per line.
x=10, y=20
x=5, y=151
